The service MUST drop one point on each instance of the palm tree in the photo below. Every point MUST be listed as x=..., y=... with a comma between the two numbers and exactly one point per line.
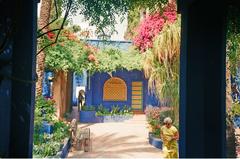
x=161, y=65
x=45, y=13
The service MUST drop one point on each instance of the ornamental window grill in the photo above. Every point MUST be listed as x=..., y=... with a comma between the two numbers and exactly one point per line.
x=115, y=89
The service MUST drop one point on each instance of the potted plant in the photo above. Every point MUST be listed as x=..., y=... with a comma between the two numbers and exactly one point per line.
x=87, y=114
x=155, y=117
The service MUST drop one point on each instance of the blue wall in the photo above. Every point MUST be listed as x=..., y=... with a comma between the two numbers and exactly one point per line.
x=78, y=80
x=46, y=88
x=98, y=79
x=94, y=89
x=122, y=45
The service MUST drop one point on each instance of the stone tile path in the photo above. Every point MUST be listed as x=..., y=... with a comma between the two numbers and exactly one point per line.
x=119, y=140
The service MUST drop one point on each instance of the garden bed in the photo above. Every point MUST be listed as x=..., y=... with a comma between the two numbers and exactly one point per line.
x=156, y=142
x=90, y=117
x=65, y=149
x=114, y=118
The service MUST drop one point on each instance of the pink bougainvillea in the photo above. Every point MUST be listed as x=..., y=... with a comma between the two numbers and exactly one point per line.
x=152, y=25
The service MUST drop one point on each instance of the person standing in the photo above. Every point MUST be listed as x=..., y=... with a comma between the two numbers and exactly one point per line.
x=81, y=97
x=169, y=136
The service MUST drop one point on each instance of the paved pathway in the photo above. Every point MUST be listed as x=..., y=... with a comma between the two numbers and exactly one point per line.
x=119, y=140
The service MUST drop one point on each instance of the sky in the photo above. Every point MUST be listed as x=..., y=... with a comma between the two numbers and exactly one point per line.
x=120, y=27
x=79, y=20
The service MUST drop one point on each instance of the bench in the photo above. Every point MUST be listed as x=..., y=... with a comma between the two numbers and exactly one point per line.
x=80, y=138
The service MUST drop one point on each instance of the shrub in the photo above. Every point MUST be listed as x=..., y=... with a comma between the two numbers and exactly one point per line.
x=155, y=117
x=235, y=110
x=46, y=145
x=115, y=110
x=102, y=111
x=126, y=110
x=88, y=108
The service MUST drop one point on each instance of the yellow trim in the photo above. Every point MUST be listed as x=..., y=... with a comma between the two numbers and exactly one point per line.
x=137, y=97
x=136, y=92
x=136, y=106
x=136, y=101
x=136, y=83
x=136, y=88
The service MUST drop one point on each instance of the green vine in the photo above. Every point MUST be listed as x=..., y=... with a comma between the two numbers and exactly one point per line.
x=133, y=22
x=72, y=54
x=233, y=38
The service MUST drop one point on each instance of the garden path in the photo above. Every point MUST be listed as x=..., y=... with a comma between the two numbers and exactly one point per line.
x=127, y=139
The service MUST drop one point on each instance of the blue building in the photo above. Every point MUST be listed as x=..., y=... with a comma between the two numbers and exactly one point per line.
x=128, y=88
x=121, y=88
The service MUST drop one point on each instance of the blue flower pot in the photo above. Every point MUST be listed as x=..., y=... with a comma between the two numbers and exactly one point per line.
x=156, y=142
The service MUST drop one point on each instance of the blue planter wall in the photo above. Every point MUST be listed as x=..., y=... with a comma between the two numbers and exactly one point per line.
x=89, y=117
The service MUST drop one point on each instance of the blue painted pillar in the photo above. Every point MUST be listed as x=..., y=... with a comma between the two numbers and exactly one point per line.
x=89, y=91
x=202, y=80
x=23, y=78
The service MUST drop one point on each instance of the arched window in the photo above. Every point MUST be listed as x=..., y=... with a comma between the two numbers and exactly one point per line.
x=115, y=89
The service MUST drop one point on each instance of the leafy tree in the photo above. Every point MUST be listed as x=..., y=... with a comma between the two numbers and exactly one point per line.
x=233, y=49
x=102, y=14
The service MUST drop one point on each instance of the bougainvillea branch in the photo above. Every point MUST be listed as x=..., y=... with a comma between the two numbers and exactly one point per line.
x=152, y=25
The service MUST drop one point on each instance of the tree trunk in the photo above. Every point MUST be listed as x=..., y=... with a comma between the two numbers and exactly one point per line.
x=43, y=21
x=228, y=86
x=62, y=92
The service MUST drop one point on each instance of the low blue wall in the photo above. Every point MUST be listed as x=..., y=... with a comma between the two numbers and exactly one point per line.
x=88, y=117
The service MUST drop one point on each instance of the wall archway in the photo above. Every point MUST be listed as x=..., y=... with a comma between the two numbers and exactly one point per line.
x=115, y=89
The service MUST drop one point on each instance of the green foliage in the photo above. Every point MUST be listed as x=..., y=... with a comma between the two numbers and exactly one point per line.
x=133, y=22
x=161, y=65
x=111, y=59
x=232, y=113
x=115, y=110
x=102, y=111
x=102, y=14
x=235, y=109
x=64, y=54
x=44, y=110
x=88, y=108
x=69, y=53
x=126, y=110
x=47, y=148
x=47, y=144
x=155, y=117
x=233, y=38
